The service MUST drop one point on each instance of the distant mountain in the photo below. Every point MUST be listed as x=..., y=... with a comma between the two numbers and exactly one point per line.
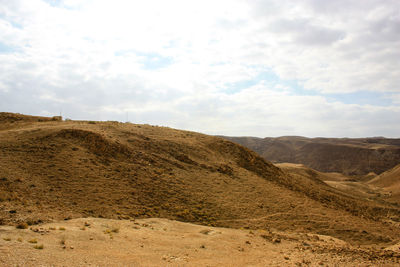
x=350, y=156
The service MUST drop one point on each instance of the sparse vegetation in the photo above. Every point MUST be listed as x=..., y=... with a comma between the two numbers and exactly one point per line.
x=38, y=246
x=3, y=196
x=129, y=171
x=22, y=225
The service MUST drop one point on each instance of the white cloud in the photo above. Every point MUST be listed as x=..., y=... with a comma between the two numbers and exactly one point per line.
x=176, y=63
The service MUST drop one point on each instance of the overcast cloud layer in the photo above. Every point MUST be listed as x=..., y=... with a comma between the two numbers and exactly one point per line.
x=259, y=68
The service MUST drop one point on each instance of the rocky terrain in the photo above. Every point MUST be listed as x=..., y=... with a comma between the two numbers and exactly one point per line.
x=162, y=242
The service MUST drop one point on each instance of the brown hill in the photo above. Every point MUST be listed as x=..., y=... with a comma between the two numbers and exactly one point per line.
x=53, y=170
x=9, y=120
x=305, y=171
x=344, y=155
x=346, y=184
x=390, y=181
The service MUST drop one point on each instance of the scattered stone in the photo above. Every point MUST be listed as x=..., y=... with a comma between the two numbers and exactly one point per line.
x=205, y=231
x=276, y=240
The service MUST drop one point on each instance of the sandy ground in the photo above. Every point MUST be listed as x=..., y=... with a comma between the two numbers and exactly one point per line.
x=162, y=242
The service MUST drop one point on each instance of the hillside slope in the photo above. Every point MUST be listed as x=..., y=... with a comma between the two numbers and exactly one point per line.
x=348, y=185
x=51, y=170
x=345, y=155
x=390, y=181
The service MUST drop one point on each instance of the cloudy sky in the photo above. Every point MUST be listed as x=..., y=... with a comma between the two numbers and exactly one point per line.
x=258, y=68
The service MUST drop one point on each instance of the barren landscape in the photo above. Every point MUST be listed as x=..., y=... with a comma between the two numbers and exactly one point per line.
x=162, y=242
x=199, y=133
x=123, y=194
x=350, y=156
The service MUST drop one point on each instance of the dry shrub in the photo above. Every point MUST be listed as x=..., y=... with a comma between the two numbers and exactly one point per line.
x=22, y=225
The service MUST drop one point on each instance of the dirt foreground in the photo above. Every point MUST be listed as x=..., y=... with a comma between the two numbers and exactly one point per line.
x=162, y=242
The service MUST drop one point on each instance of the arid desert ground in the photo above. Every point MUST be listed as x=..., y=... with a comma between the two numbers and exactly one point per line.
x=88, y=193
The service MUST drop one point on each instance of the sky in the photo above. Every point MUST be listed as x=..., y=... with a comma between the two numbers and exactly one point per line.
x=241, y=68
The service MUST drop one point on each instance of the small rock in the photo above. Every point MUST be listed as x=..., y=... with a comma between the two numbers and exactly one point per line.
x=276, y=240
x=71, y=247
